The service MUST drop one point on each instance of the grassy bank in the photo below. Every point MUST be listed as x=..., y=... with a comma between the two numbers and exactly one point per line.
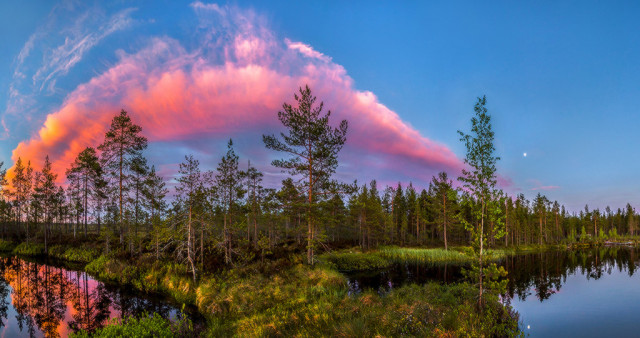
x=355, y=260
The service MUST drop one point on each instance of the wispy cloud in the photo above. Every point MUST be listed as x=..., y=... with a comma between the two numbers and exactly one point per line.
x=537, y=185
x=77, y=43
x=306, y=50
x=546, y=187
x=42, y=61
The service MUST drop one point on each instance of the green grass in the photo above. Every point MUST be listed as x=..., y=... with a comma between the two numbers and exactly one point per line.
x=456, y=255
x=355, y=261
x=422, y=255
x=533, y=248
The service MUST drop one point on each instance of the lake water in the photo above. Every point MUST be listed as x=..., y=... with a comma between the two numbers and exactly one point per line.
x=584, y=293
x=38, y=299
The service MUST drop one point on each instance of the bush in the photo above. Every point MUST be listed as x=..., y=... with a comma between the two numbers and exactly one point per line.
x=82, y=255
x=29, y=249
x=6, y=246
x=154, y=326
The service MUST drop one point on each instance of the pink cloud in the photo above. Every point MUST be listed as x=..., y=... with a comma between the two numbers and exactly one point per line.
x=537, y=185
x=546, y=187
x=229, y=87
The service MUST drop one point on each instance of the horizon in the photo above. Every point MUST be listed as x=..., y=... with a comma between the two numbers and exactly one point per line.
x=70, y=67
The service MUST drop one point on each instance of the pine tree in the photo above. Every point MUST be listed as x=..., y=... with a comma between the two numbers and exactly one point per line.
x=229, y=190
x=190, y=191
x=86, y=169
x=313, y=145
x=122, y=143
x=254, y=189
x=155, y=192
x=46, y=191
x=444, y=195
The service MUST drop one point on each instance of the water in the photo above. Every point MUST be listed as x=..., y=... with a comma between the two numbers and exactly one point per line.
x=585, y=293
x=40, y=299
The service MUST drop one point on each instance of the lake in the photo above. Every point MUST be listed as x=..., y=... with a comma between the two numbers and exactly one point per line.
x=45, y=299
x=582, y=293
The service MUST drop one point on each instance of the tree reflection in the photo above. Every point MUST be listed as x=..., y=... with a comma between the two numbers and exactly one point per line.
x=546, y=272
x=51, y=301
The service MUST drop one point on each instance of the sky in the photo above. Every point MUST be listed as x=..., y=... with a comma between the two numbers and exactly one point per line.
x=561, y=81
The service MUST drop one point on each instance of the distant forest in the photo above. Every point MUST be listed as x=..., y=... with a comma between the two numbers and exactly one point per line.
x=113, y=195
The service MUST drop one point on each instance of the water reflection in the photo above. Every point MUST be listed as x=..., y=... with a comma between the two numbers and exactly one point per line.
x=541, y=274
x=584, y=293
x=42, y=300
x=544, y=274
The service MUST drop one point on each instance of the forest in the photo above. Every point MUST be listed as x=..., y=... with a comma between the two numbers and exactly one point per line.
x=113, y=207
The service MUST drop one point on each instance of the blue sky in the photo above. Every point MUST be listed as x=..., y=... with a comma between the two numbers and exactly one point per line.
x=560, y=78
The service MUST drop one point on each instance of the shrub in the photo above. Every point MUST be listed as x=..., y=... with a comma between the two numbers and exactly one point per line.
x=29, y=249
x=6, y=246
x=150, y=326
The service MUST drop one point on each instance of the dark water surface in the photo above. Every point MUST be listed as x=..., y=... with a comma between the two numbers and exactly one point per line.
x=585, y=293
x=42, y=299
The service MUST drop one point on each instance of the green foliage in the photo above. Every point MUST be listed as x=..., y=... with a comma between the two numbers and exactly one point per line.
x=6, y=246
x=29, y=249
x=151, y=326
x=73, y=254
x=355, y=261
x=583, y=234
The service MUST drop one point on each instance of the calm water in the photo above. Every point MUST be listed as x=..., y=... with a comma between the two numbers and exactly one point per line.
x=586, y=293
x=38, y=299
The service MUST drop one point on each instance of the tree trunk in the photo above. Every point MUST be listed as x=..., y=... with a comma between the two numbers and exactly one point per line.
x=189, y=251
x=444, y=218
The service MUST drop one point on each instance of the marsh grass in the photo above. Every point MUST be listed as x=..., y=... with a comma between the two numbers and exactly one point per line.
x=355, y=261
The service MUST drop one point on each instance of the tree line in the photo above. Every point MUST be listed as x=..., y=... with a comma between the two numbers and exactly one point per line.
x=228, y=215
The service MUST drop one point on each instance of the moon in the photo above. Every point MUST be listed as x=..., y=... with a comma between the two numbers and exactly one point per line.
x=524, y=154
